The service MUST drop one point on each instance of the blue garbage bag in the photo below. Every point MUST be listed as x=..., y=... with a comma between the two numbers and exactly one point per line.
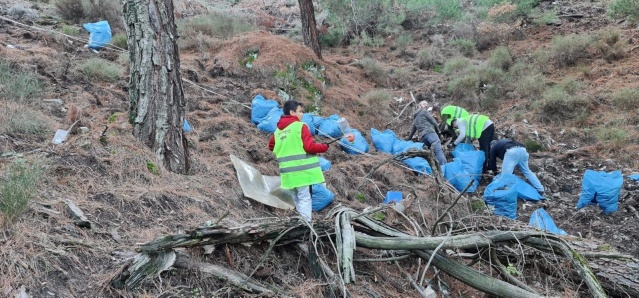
x=325, y=164
x=402, y=146
x=99, y=34
x=269, y=123
x=392, y=196
x=260, y=108
x=383, y=141
x=329, y=127
x=418, y=164
x=308, y=119
x=358, y=146
x=463, y=147
x=634, y=177
x=455, y=172
x=601, y=188
x=502, y=195
x=541, y=219
x=321, y=197
x=186, y=126
x=527, y=192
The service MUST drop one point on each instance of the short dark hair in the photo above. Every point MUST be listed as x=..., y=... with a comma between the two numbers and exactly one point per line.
x=291, y=105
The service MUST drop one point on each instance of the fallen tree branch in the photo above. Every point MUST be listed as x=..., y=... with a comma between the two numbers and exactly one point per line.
x=504, y=272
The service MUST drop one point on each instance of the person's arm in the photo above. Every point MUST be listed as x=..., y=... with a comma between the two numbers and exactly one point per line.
x=412, y=132
x=271, y=143
x=434, y=123
x=309, y=144
x=461, y=124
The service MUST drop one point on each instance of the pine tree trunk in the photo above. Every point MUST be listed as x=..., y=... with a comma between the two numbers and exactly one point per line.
x=309, y=27
x=155, y=88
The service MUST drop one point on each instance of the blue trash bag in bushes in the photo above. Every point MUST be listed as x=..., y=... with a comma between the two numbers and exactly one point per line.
x=358, y=146
x=99, y=34
x=418, y=164
x=501, y=194
x=329, y=127
x=541, y=219
x=260, y=108
x=601, y=188
x=269, y=123
x=383, y=141
x=321, y=197
x=325, y=164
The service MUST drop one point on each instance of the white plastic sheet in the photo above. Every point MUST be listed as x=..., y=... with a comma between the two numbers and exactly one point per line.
x=264, y=189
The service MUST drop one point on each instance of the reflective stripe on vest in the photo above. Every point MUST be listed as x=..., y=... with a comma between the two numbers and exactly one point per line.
x=297, y=168
x=475, y=125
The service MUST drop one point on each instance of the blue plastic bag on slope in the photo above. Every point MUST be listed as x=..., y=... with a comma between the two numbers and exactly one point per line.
x=99, y=34
x=601, y=188
x=502, y=195
x=329, y=127
x=526, y=192
x=269, y=123
x=383, y=141
x=260, y=108
x=541, y=219
x=308, y=119
x=418, y=164
x=402, y=146
x=325, y=164
x=358, y=146
x=321, y=197
x=463, y=147
x=634, y=177
x=456, y=174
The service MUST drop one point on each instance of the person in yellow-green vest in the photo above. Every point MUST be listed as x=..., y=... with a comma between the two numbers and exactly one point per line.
x=294, y=147
x=475, y=126
x=448, y=113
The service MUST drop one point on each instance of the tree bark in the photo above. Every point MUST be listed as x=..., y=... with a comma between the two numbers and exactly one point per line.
x=155, y=88
x=309, y=27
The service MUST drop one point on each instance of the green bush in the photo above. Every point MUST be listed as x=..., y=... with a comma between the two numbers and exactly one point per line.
x=500, y=58
x=120, y=40
x=567, y=50
x=403, y=41
x=218, y=24
x=108, y=10
x=99, y=69
x=559, y=106
x=610, y=45
x=374, y=71
x=334, y=37
x=455, y=65
x=548, y=17
x=400, y=77
x=71, y=30
x=430, y=57
x=531, y=86
x=377, y=97
x=20, y=183
x=570, y=85
x=19, y=119
x=532, y=146
x=624, y=9
x=626, y=99
x=18, y=86
x=465, y=47
x=614, y=137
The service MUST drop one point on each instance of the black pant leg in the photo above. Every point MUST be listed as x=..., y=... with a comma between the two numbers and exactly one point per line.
x=484, y=143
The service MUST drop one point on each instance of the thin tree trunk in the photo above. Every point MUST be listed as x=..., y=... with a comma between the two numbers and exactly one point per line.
x=155, y=88
x=309, y=27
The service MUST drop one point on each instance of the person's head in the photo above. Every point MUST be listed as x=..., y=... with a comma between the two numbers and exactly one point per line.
x=294, y=108
x=453, y=123
x=423, y=104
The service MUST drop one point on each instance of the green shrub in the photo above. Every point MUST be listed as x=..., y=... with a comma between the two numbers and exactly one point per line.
x=403, y=41
x=70, y=30
x=109, y=10
x=377, y=97
x=465, y=47
x=222, y=24
x=548, y=17
x=570, y=85
x=18, y=86
x=531, y=86
x=532, y=145
x=455, y=65
x=19, y=119
x=567, y=50
x=400, y=77
x=610, y=45
x=559, y=106
x=100, y=70
x=334, y=37
x=500, y=58
x=120, y=40
x=626, y=99
x=615, y=138
x=153, y=169
x=430, y=57
x=541, y=59
x=374, y=71
x=16, y=189
x=624, y=9
x=71, y=10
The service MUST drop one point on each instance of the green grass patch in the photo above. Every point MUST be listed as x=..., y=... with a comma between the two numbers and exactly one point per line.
x=532, y=146
x=17, y=85
x=626, y=99
x=377, y=97
x=98, y=69
x=221, y=24
x=628, y=9
x=567, y=50
x=153, y=169
x=430, y=57
x=20, y=184
x=120, y=40
x=465, y=47
x=374, y=71
x=558, y=106
x=500, y=58
x=19, y=119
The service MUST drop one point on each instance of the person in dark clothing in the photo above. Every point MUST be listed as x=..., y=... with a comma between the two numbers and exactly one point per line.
x=428, y=131
x=513, y=154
